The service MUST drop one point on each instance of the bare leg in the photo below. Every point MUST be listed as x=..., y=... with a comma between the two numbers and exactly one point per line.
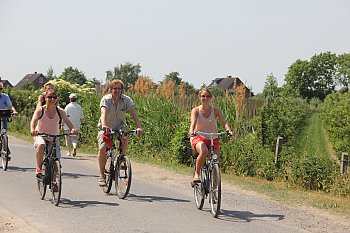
x=39, y=154
x=203, y=152
x=125, y=144
x=102, y=159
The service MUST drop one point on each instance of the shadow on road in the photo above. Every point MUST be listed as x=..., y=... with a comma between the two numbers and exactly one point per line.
x=67, y=203
x=76, y=175
x=149, y=198
x=74, y=158
x=246, y=216
x=21, y=169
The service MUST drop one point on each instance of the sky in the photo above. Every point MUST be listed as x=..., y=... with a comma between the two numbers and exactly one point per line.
x=200, y=39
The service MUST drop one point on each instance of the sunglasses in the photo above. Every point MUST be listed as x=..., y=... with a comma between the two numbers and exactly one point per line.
x=205, y=96
x=51, y=97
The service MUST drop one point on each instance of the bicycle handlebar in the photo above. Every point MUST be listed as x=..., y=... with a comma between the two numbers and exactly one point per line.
x=56, y=135
x=210, y=134
x=120, y=133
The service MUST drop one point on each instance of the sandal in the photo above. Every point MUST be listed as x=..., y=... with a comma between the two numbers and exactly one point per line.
x=196, y=180
x=101, y=181
x=55, y=188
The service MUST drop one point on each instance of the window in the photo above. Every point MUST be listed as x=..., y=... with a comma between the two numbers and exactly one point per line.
x=41, y=80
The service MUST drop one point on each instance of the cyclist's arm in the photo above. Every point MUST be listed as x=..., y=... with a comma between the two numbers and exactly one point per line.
x=34, y=121
x=103, y=116
x=14, y=111
x=218, y=114
x=194, y=115
x=133, y=114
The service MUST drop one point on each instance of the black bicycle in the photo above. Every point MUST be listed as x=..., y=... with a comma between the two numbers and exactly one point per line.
x=210, y=178
x=118, y=166
x=51, y=169
x=5, y=115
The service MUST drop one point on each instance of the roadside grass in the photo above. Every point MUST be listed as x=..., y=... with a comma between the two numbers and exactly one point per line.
x=313, y=140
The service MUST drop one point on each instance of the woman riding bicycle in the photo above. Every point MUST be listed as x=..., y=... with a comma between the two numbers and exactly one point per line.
x=203, y=118
x=47, y=119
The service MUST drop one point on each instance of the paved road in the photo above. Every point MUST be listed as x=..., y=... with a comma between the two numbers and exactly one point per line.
x=159, y=201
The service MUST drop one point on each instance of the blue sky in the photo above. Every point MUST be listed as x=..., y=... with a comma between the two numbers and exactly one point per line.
x=200, y=39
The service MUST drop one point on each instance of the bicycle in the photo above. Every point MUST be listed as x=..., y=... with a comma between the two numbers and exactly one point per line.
x=51, y=170
x=210, y=178
x=118, y=166
x=5, y=114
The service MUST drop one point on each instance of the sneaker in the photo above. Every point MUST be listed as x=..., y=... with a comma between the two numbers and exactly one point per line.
x=68, y=154
x=74, y=151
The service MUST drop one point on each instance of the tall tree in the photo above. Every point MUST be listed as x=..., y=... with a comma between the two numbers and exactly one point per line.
x=128, y=73
x=324, y=69
x=174, y=76
x=50, y=73
x=73, y=75
x=343, y=70
x=299, y=79
x=271, y=86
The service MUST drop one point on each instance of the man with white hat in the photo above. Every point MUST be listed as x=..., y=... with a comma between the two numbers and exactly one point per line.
x=75, y=114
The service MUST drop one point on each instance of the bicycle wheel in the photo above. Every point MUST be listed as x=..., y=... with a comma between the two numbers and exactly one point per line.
x=215, y=190
x=56, y=182
x=123, y=177
x=198, y=191
x=109, y=173
x=42, y=182
x=4, y=152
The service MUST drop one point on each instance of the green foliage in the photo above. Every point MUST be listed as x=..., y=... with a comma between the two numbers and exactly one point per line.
x=128, y=73
x=319, y=76
x=336, y=119
x=282, y=116
x=313, y=172
x=343, y=70
x=73, y=75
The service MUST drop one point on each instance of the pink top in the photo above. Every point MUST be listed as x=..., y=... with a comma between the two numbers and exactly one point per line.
x=207, y=125
x=48, y=125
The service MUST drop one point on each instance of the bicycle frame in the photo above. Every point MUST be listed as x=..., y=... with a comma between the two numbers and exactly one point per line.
x=209, y=184
x=116, y=158
x=5, y=115
x=52, y=169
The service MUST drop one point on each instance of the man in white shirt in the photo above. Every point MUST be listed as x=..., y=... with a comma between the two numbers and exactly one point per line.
x=75, y=114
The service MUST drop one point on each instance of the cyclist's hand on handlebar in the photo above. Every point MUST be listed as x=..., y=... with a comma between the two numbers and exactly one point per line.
x=139, y=131
x=74, y=131
x=191, y=134
x=230, y=133
x=15, y=113
x=34, y=133
x=106, y=130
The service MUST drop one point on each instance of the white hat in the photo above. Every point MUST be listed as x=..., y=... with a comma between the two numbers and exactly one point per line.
x=72, y=96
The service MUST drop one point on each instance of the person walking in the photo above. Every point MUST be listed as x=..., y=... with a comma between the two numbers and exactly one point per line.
x=75, y=114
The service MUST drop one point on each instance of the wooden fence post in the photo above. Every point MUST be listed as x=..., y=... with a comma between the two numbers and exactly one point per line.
x=278, y=148
x=344, y=162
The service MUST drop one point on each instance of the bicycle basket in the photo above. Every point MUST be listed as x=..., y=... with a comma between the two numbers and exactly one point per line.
x=5, y=113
